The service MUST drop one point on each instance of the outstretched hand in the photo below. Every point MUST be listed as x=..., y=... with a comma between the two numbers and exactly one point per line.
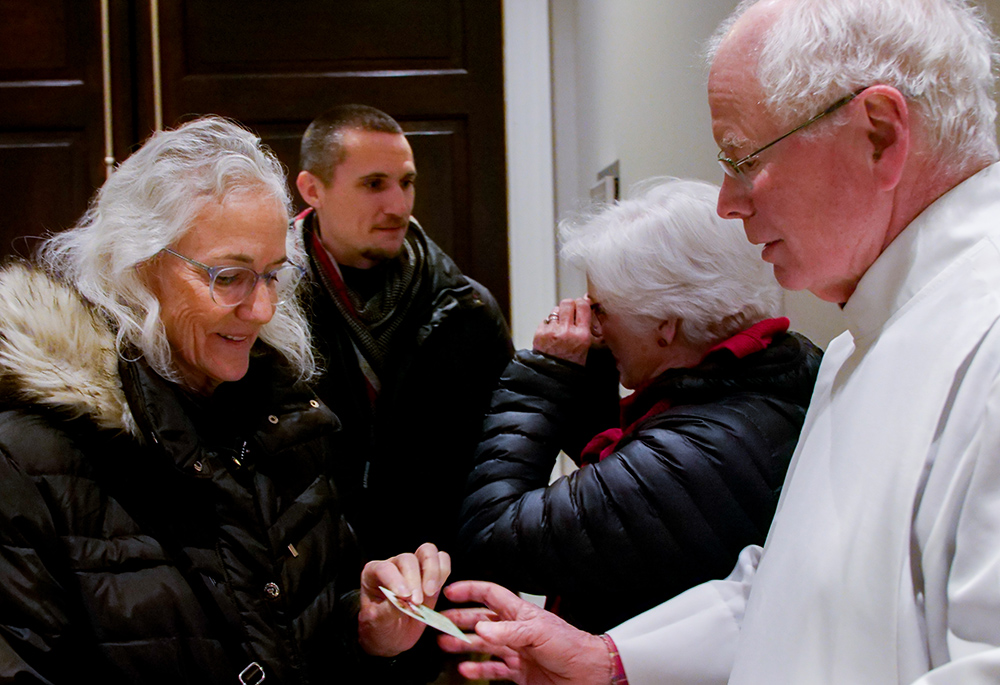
x=383, y=630
x=535, y=647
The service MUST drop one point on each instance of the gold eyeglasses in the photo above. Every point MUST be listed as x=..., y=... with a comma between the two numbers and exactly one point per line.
x=735, y=169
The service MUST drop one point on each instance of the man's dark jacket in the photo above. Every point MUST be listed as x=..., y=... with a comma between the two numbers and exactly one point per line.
x=670, y=508
x=403, y=467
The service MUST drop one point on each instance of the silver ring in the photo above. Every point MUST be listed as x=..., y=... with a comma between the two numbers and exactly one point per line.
x=554, y=316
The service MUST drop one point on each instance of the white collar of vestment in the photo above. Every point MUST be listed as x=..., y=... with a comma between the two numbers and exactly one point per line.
x=931, y=245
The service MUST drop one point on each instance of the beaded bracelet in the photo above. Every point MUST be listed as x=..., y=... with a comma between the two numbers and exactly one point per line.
x=618, y=676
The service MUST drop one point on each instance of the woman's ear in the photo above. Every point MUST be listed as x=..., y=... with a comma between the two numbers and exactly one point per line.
x=667, y=331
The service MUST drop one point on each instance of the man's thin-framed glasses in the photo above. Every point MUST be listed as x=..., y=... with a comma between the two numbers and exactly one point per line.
x=734, y=169
x=231, y=286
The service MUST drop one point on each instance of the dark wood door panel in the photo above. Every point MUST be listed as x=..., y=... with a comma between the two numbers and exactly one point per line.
x=48, y=108
x=434, y=65
x=44, y=185
x=53, y=45
x=302, y=97
x=268, y=61
x=442, y=200
x=231, y=36
x=52, y=134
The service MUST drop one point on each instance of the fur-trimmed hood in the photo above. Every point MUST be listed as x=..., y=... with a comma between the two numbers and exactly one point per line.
x=57, y=351
x=140, y=557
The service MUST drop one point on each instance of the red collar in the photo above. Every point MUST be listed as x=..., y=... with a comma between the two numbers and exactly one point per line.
x=753, y=339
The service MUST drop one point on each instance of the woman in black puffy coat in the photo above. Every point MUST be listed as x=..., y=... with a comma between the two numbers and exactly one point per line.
x=167, y=508
x=690, y=470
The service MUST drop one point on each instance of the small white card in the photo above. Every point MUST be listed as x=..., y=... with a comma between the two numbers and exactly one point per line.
x=424, y=615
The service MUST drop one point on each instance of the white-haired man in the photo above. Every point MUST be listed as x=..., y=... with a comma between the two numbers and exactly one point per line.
x=858, y=143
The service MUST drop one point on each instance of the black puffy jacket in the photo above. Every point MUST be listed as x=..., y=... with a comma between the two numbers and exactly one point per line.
x=149, y=537
x=672, y=507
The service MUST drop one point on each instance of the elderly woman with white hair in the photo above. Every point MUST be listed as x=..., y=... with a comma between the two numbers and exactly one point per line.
x=167, y=513
x=691, y=472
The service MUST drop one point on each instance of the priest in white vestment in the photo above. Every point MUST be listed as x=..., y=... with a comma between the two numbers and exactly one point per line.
x=858, y=142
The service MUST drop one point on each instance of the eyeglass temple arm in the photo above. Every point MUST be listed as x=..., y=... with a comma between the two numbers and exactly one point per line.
x=829, y=110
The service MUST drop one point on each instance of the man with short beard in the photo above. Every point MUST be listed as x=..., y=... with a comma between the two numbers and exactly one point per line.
x=412, y=348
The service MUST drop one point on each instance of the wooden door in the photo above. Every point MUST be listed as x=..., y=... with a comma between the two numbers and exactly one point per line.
x=434, y=65
x=52, y=123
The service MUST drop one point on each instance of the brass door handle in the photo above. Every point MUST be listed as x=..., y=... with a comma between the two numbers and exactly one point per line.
x=109, y=139
x=154, y=32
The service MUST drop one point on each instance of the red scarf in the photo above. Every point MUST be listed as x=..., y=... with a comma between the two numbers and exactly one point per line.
x=330, y=269
x=753, y=339
x=336, y=283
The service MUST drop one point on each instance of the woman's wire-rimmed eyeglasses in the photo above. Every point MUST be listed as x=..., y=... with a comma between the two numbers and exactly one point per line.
x=231, y=286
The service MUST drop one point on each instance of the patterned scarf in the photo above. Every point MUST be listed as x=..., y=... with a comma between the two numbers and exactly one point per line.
x=373, y=321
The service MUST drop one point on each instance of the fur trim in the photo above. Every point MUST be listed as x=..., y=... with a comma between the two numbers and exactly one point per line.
x=56, y=351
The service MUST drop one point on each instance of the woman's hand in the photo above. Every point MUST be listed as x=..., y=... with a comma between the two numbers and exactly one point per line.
x=536, y=647
x=383, y=630
x=565, y=333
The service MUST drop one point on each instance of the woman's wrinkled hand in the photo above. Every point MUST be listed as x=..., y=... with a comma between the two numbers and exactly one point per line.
x=565, y=333
x=383, y=630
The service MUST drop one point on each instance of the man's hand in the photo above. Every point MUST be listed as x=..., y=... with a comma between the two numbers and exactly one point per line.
x=383, y=630
x=535, y=646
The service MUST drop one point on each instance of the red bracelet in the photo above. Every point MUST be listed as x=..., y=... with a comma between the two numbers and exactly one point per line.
x=618, y=676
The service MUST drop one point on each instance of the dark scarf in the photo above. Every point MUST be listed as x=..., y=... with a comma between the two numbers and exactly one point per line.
x=372, y=321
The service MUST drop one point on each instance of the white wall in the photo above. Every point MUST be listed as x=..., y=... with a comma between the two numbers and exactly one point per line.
x=629, y=84
x=530, y=202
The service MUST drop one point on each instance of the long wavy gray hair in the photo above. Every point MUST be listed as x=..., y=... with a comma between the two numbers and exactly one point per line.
x=148, y=204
